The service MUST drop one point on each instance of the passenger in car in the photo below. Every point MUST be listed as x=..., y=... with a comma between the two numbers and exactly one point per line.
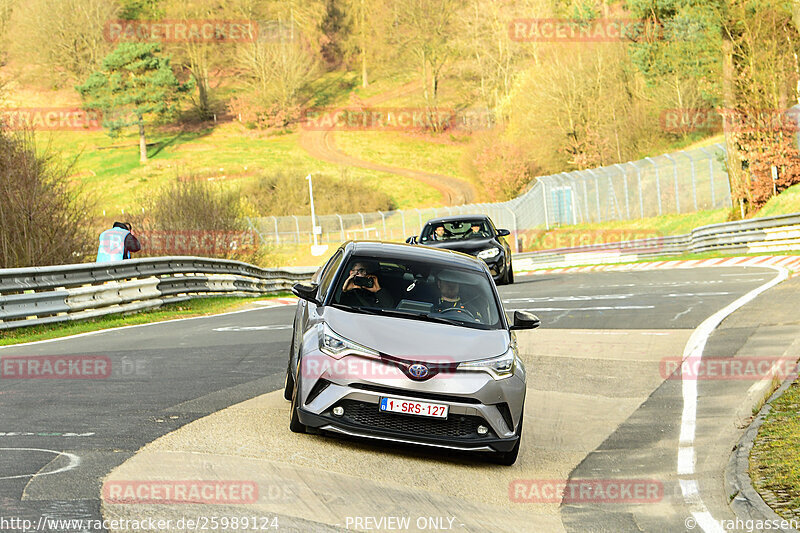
x=363, y=289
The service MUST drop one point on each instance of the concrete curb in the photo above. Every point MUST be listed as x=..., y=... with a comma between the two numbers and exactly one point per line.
x=747, y=503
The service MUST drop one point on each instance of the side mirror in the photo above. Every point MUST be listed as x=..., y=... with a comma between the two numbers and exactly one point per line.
x=306, y=292
x=412, y=240
x=525, y=320
x=503, y=233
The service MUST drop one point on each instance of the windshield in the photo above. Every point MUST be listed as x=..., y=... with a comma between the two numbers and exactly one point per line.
x=419, y=291
x=456, y=230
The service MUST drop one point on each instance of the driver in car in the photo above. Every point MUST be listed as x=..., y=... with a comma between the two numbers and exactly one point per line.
x=450, y=297
x=475, y=232
x=362, y=289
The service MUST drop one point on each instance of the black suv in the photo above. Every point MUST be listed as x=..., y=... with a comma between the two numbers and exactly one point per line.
x=475, y=235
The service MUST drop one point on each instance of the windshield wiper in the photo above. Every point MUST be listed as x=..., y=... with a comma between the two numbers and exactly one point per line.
x=418, y=316
x=351, y=309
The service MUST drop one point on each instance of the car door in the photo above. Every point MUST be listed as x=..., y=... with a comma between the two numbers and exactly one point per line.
x=323, y=278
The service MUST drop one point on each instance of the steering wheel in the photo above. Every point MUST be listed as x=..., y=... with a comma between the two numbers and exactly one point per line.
x=464, y=312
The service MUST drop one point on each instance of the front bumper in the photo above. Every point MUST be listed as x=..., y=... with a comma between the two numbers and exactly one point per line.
x=473, y=399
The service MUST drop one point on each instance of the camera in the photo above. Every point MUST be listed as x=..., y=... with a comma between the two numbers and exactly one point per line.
x=363, y=281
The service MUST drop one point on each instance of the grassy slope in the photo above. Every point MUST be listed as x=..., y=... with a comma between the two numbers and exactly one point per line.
x=775, y=458
x=228, y=153
x=786, y=202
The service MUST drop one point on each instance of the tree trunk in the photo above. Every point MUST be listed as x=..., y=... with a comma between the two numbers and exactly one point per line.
x=142, y=142
x=733, y=158
x=364, y=81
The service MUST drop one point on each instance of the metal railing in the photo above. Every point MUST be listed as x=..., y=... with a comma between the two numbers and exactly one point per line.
x=767, y=234
x=680, y=182
x=44, y=295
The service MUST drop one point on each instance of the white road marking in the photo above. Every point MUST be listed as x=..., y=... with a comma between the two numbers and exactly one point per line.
x=570, y=298
x=691, y=353
x=74, y=461
x=99, y=331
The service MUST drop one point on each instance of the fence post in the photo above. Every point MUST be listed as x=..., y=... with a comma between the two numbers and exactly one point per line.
x=363, y=226
x=639, y=185
x=515, y=229
x=383, y=219
x=694, y=182
x=596, y=192
x=403, y=219
x=625, y=186
x=658, y=184
x=277, y=235
x=544, y=197
x=420, y=220
x=341, y=227
x=710, y=173
x=585, y=200
x=675, y=176
x=297, y=228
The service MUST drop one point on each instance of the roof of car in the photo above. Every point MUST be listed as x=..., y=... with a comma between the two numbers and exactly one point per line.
x=380, y=249
x=454, y=218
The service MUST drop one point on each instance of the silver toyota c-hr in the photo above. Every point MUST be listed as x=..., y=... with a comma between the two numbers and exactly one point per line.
x=407, y=344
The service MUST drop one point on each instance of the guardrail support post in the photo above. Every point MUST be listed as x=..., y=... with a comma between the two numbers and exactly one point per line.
x=383, y=219
x=297, y=228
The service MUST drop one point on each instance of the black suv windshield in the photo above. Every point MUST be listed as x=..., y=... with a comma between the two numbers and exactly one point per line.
x=456, y=230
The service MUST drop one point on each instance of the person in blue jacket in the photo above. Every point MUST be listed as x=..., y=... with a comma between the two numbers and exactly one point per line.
x=117, y=243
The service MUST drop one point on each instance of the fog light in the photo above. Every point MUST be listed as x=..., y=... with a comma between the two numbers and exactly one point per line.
x=338, y=411
x=483, y=430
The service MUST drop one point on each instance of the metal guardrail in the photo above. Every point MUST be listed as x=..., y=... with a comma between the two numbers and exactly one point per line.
x=44, y=295
x=767, y=234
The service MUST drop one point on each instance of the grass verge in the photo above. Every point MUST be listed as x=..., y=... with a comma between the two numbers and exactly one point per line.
x=775, y=457
x=196, y=307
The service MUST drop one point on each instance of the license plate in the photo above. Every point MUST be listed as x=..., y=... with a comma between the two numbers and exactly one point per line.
x=411, y=407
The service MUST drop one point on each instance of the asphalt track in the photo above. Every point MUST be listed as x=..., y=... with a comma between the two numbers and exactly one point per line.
x=598, y=408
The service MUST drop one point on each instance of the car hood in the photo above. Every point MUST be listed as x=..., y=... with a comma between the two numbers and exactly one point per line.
x=467, y=246
x=417, y=340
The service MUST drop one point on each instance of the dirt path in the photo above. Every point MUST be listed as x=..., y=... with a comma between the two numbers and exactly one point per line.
x=321, y=145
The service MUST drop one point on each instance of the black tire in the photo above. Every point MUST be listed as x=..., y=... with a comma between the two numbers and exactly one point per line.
x=510, y=273
x=288, y=384
x=294, y=421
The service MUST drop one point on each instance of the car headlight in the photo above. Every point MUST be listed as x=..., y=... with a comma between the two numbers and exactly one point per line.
x=336, y=346
x=489, y=253
x=499, y=367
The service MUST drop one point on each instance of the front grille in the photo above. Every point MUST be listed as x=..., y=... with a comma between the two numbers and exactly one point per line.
x=367, y=415
x=414, y=394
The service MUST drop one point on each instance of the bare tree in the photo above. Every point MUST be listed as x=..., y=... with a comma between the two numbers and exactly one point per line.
x=427, y=30
x=44, y=219
x=65, y=37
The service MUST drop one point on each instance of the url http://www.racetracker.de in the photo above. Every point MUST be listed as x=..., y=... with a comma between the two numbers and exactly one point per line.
x=196, y=523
